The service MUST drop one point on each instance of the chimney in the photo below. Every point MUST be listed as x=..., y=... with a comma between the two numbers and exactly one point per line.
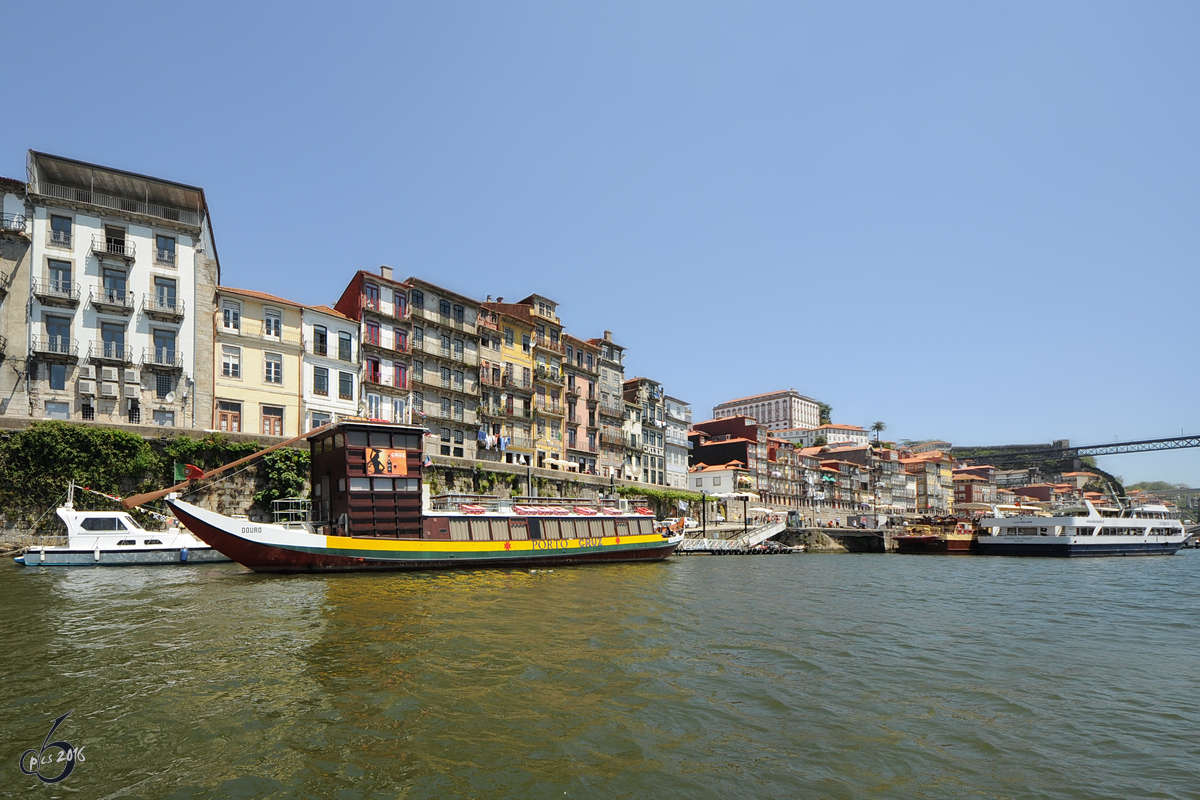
x=499, y=299
x=489, y=299
x=386, y=272
x=608, y=336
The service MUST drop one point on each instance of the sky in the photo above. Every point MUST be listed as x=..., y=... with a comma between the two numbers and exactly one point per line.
x=973, y=222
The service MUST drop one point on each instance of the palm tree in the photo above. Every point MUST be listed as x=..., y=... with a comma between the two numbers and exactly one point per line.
x=878, y=427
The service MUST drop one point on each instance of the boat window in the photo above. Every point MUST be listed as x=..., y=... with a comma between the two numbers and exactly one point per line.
x=459, y=530
x=125, y=542
x=1085, y=531
x=380, y=484
x=479, y=530
x=406, y=441
x=646, y=525
x=131, y=523
x=151, y=541
x=595, y=528
x=360, y=484
x=339, y=441
x=357, y=438
x=499, y=530
x=380, y=439
x=519, y=529
x=567, y=528
x=99, y=524
x=550, y=529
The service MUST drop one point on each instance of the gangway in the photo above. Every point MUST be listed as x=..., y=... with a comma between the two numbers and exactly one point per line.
x=744, y=542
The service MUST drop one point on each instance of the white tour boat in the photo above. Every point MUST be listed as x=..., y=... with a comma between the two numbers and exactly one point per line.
x=1148, y=530
x=113, y=538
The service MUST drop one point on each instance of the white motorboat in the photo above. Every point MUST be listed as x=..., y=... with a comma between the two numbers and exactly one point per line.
x=114, y=538
x=1148, y=530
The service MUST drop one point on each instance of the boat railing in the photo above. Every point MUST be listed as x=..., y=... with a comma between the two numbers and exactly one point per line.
x=292, y=512
x=456, y=502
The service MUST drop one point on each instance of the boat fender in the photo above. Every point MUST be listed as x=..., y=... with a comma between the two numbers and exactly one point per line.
x=183, y=554
x=96, y=553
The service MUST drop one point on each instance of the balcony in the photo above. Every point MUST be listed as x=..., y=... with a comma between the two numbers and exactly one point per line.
x=73, y=195
x=164, y=258
x=3, y=346
x=55, y=348
x=520, y=442
x=436, y=318
x=63, y=240
x=14, y=225
x=545, y=343
x=162, y=307
x=387, y=349
x=162, y=359
x=551, y=409
x=110, y=353
x=464, y=417
x=64, y=294
x=111, y=301
x=610, y=436
x=608, y=409
x=110, y=248
x=545, y=375
x=487, y=320
x=572, y=390
x=514, y=381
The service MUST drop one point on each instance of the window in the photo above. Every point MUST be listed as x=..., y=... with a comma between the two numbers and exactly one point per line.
x=272, y=324
x=346, y=385
x=231, y=362
x=164, y=417
x=114, y=285
x=418, y=338
x=231, y=314
x=371, y=296
x=401, y=376
x=60, y=276
x=570, y=352
x=508, y=337
x=374, y=406
x=445, y=377
x=445, y=408
x=458, y=313
x=272, y=368
x=525, y=342
x=458, y=410
x=371, y=334
x=716, y=481
x=58, y=377
x=320, y=340
x=445, y=345
x=317, y=419
x=164, y=294
x=400, y=302
x=418, y=401
x=399, y=340
x=345, y=347
x=458, y=380
x=88, y=411
x=419, y=371
x=58, y=334
x=321, y=381
x=229, y=416
x=418, y=298
x=60, y=231
x=58, y=410
x=164, y=347
x=113, y=339
x=458, y=349
x=371, y=371
x=162, y=385
x=272, y=421
x=164, y=250
x=444, y=308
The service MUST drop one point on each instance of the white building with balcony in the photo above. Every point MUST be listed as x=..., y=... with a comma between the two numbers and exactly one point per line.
x=113, y=298
x=332, y=374
x=679, y=421
x=776, y=411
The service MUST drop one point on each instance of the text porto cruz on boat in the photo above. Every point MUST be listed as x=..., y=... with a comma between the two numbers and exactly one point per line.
x=371, y=510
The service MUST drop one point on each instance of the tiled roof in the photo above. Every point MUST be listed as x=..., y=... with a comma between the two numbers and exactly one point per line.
x=270, y=298
x=333, y=312
x=764, y=394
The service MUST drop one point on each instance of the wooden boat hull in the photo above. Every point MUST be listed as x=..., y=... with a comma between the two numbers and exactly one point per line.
x=273, y=548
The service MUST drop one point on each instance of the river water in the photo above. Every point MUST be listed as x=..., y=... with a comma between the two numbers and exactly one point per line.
x=851, y=676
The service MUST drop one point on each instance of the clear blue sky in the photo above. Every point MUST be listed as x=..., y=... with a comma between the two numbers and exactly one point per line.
x=973, y=222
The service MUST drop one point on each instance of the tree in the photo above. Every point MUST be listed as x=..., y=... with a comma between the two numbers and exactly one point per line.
x=820, y=441
x=878, y=427
x=826, y=413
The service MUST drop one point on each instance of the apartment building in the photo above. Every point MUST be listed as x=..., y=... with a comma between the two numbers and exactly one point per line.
x=445, y=367
x=506, y=377
x=581, y=363
x=631, y=429
x=777, y=411
x=720, y=441
x=257, y=382
x=331, y=372
x=935, y=482
x=679, y=422
x=830, y=433
x=649, y=400
x=379, y=306
x=611, y=407
x=108, y=287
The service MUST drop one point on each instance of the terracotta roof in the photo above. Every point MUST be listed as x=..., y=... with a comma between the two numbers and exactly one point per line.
x=12, y=183
x=333, y=312
x=270, y=298
x=765, y=394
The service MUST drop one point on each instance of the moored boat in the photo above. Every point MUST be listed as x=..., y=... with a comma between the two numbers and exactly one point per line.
x=1089, y=531
x=937, y=536
x=371, y=510
x=114, y=538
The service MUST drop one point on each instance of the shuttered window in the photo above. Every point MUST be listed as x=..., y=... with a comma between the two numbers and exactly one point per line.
x=458, y=530
x=479, y=530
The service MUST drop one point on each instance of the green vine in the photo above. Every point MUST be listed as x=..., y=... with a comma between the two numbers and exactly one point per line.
x=287, y=476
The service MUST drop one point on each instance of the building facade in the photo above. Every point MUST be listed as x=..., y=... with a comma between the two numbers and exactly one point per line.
x=614, y=439
x=108, y=302
x=506, y=375
x=445, y=367
x=679, y=422
x=776, y=411
x=331, y=376
x=379, y=306
x=257, y=381
x=581, y=362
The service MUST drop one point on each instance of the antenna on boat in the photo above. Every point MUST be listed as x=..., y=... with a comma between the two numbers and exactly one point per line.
x=70, y=493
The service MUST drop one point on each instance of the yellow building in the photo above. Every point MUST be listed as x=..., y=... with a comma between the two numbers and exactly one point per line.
x=506, y=380
x=258, y=350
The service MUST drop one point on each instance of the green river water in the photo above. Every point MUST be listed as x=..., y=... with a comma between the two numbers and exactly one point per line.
x=790, y=676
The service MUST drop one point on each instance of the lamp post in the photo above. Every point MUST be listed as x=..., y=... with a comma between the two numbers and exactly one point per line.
x=745, y=516
x=703, y=515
